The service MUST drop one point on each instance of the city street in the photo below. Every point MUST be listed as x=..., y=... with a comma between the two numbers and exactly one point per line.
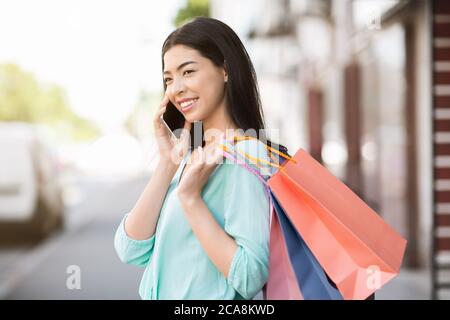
x=87, y=242
x=356, y=90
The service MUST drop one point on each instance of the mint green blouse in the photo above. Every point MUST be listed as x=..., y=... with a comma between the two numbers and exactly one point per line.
x=177, y=267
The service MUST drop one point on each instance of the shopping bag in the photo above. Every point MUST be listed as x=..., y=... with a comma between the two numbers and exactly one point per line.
x=352, y=243
x=282, y=283
x=293, y=270
x=311, y=278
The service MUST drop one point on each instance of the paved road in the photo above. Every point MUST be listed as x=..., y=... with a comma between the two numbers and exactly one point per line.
x=87, y=242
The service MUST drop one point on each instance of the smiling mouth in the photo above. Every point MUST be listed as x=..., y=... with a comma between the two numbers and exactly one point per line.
x=188, y=105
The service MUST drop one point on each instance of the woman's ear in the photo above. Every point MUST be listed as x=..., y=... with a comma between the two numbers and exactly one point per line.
x=225, y=73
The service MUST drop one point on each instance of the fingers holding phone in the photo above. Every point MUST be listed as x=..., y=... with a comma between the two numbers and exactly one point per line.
x=163, y=135
x=168, y=123
x=157, y=120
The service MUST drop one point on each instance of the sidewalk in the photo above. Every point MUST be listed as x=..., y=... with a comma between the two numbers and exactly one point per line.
x=408, y=285
x=40, y=272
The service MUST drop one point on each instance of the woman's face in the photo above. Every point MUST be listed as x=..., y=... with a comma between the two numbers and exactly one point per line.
x=195, y=86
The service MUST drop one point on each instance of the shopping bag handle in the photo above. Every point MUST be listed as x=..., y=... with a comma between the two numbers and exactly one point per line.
x=258, y=175
x=257, y=161
x=241, y=138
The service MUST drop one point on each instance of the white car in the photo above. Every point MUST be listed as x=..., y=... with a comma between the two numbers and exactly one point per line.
x=31, y=203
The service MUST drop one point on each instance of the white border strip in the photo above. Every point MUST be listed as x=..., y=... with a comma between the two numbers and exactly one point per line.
x=443, y=208
x=442, y=18
x=442, y=90
x=442, y=137
x=441, y=114
x=442, y=185
x=443, y=232
x=442, y=42
x=442, y=162
x=441, y=66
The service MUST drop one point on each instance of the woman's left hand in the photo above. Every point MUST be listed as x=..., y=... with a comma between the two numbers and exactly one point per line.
x=203, y=161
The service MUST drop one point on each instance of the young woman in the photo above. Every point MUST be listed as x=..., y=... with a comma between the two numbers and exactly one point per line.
x=201, y=228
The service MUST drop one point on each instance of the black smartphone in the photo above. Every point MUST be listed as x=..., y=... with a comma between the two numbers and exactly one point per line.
x=174, y=121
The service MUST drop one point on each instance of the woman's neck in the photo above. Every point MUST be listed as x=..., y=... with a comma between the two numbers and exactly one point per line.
x=219, y=121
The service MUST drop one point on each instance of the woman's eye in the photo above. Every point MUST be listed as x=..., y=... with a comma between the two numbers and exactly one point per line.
x=167, y=80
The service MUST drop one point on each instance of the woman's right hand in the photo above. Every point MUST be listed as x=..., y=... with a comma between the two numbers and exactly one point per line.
x=170, y=148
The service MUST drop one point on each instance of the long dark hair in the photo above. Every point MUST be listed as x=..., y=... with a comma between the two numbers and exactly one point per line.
x=216, y=41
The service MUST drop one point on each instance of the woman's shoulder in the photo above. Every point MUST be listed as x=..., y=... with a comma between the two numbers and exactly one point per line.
x=254, y=148
x=254, y=151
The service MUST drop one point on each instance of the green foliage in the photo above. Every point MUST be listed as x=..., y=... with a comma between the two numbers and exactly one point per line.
x=193, y=8
x=24, y=99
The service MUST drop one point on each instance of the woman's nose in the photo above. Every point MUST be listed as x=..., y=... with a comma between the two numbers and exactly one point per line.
x=177, y=87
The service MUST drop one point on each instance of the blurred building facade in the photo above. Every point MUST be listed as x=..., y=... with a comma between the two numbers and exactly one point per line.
x=352, y=82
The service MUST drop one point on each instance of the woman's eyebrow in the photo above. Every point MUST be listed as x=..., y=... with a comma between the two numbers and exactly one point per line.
x=181, y=66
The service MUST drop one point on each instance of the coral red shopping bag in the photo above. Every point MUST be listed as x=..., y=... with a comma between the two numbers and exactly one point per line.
x=355, y=247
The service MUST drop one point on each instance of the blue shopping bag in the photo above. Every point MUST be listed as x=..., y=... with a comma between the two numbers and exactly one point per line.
x=313, y=281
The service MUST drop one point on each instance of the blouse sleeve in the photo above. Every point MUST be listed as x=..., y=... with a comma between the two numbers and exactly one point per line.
x=131, y=251
x=247, y=221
